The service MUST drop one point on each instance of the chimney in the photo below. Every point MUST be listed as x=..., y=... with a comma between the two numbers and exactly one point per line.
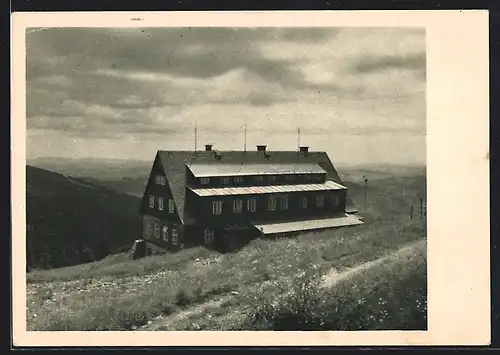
x=304, y=149
x=261, y=148
x=208, y=147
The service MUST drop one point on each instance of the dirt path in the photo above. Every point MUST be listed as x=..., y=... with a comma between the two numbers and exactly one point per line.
x=166, y=323
x=331, y=278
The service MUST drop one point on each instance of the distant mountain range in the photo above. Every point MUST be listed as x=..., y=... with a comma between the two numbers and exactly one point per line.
x=71, y=220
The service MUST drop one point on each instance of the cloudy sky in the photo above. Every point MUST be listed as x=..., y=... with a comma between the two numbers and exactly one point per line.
x=357, y=93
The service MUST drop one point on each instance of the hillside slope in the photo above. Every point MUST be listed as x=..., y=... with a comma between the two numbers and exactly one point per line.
x=70, y=222
x=198, y=288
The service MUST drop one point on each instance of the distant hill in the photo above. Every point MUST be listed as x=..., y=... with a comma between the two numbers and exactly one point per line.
x=95, y=167
x=70, y=221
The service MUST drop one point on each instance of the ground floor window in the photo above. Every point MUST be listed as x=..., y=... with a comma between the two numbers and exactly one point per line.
x=237, y=206
x=284, y=202
x=157, y=230
x=175, y=237
x=217, y=207
x=303, y=203
x=252, y=205
x=209, y=236
x=319, y=201
x=335, y=200
x=165, y=233
x=272, y=204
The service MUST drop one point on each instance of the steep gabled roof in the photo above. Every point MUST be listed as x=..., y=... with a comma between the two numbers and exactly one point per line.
x=174, y=164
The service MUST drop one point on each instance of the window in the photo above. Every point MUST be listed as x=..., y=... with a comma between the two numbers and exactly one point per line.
x=171, y=206
x=209, y=236
x=238, y=179
x=320, y=201
x=151, y=201
x=289, y=177
x=335, y=200
x=237, y=206
x=157, y=230
x=160, y=203
x=165, y=233
x=149, y=228
x=217, y=207
x=252, y=205
x=160, y=180
x=308, y=177
x=303, y=202
x=205, y=181
x=226, y=180
x=272, y=203
x=259, y=178
x=271, y=177
x=175, y=237
x=284, y=202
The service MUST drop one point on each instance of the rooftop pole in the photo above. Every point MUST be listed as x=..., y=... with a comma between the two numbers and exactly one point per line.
x=245, y=143
x=298, y=139
x=195, y=136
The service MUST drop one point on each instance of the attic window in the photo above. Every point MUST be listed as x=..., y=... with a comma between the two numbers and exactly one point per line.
x=151, y=201
x=160, y=180
x=171, y=206
x=160, y=203
x=204, y=180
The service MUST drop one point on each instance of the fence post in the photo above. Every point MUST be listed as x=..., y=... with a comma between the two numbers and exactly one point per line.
x=366, y=187
x=421, y=207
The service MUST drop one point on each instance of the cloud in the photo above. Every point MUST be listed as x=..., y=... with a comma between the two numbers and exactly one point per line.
x=156, y=82
x=371, y=64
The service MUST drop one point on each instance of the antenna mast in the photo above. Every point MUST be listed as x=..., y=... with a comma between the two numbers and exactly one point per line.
x=195, y=136
x=245, y=144
x=298, y=139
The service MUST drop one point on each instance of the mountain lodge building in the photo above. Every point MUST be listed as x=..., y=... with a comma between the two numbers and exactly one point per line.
x=220, y=198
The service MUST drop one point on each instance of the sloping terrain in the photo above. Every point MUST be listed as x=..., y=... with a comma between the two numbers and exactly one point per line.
x=201, y=289
x=71, y=221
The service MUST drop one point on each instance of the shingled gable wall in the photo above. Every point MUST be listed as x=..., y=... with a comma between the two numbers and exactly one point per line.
x=159, y=219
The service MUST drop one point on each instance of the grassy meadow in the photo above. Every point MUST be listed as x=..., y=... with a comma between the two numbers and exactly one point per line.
x=251, y=289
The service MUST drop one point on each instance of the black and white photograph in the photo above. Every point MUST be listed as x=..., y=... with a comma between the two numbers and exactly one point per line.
x=226, y=179
x=236, y=176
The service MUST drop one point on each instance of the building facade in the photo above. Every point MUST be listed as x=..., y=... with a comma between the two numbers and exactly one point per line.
x=219, y=199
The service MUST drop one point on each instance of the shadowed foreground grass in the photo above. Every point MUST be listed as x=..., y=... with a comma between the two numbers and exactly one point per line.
x=388, y=296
